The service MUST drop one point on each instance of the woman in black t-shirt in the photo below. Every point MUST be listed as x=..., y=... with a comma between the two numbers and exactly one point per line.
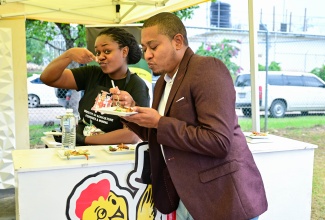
x=115, y=48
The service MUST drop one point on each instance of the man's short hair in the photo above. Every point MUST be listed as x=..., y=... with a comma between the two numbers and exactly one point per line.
x=169, y=25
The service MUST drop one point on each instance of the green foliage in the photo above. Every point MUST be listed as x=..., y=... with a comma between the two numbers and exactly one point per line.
x=37, y=34
x=41, y=33
x=274, y=66
x=261, y=67
x=38, y=51
x=80, y=39
x=320, y=72
x=225, y=51
x=29, y=74
x=186, y=13
x=40, y=30
x=300, y=122
x=36, y=132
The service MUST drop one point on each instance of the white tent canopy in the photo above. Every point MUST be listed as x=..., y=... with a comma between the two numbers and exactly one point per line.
x=90, y=11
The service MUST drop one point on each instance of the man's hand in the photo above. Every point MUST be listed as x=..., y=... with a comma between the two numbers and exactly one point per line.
x=146, y=117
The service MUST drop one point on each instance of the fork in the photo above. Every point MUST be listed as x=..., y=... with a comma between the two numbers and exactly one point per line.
x=117, y=103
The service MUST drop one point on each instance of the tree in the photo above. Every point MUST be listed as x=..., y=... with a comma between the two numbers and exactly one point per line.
x=42, y=33
x=320, y=72
x=186, y=13
x=35, y=51
x=274, y=66
x=38, y=33
x=225, y=51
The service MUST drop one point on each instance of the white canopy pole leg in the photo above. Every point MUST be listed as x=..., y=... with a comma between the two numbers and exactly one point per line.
x=253, y=65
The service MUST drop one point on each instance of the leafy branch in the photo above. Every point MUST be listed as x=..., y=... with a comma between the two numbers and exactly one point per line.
x=225, y=50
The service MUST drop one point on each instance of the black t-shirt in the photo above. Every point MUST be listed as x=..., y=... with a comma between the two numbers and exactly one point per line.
x=95, y=83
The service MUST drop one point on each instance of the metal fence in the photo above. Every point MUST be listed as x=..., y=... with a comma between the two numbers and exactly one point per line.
x=294, y=52
x=291, y=51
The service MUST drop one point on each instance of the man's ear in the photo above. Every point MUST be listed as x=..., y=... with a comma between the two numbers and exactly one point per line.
x=179, y=41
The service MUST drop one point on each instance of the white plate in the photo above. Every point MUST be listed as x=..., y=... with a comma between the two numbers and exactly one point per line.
x=122, y=151
x=112, y=111
x=52, y=133
x=62, y=156
x=257, y=137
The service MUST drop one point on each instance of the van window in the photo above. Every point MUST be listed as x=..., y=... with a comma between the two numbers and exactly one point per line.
x=243, y=80
x=312, y=82
x=275, y=80
x=293, y=81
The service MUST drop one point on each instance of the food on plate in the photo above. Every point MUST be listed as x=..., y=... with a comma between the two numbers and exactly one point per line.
x=124, y=109
x=255, y=133
x=90, y=129
x=78, y=152
x=112, y=148
x=119, y=147
x=122, y=146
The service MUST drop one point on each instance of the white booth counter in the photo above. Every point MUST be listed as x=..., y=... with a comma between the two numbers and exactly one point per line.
x=286, y=167
x=51, y=187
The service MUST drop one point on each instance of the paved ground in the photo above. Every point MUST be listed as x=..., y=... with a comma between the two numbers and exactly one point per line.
x=7, y=204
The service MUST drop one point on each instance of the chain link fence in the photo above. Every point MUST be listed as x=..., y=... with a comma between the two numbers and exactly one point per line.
x=289, y=93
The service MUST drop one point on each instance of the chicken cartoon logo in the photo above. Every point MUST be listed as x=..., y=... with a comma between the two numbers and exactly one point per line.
x=98, y=196
x=104, y=196
x=98, y=202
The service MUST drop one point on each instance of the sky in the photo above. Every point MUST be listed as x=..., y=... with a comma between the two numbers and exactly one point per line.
x=284, y=9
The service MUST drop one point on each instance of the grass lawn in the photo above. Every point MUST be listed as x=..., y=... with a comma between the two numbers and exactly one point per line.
x=36, y=132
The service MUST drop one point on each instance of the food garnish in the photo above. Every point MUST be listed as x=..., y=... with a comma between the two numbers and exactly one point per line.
x=79, y=152
x=90, y=129
x=255, y=133
x=124, y=109
x=112, y=148
x=122, y=146
x=119, y=147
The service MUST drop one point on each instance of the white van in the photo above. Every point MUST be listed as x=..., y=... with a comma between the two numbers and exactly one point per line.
x=287, y=92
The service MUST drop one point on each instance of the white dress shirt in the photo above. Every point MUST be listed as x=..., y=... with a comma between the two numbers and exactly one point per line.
x=164, y=98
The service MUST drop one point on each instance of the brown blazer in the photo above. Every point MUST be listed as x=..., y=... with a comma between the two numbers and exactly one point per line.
x=208, y=163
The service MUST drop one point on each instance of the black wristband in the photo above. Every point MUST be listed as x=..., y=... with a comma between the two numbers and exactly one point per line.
x=80, y=140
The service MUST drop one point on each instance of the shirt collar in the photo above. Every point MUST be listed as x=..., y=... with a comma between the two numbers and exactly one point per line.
x=170, y=80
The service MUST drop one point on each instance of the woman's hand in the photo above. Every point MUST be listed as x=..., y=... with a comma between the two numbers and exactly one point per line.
x=115, y=90
x=81, y=55
x=123, y=98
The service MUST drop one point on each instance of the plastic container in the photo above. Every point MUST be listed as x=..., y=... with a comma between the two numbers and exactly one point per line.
x=68, y=122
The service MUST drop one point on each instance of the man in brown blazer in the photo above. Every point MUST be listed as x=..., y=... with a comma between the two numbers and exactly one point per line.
x=201, y=165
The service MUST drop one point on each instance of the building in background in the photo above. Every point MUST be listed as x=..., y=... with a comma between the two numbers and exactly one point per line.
x=297, y=44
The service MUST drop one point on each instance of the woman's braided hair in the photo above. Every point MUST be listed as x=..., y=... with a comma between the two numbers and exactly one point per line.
x=125, y=39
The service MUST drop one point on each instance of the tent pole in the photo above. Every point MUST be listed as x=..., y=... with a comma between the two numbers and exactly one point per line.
x=253, y=66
